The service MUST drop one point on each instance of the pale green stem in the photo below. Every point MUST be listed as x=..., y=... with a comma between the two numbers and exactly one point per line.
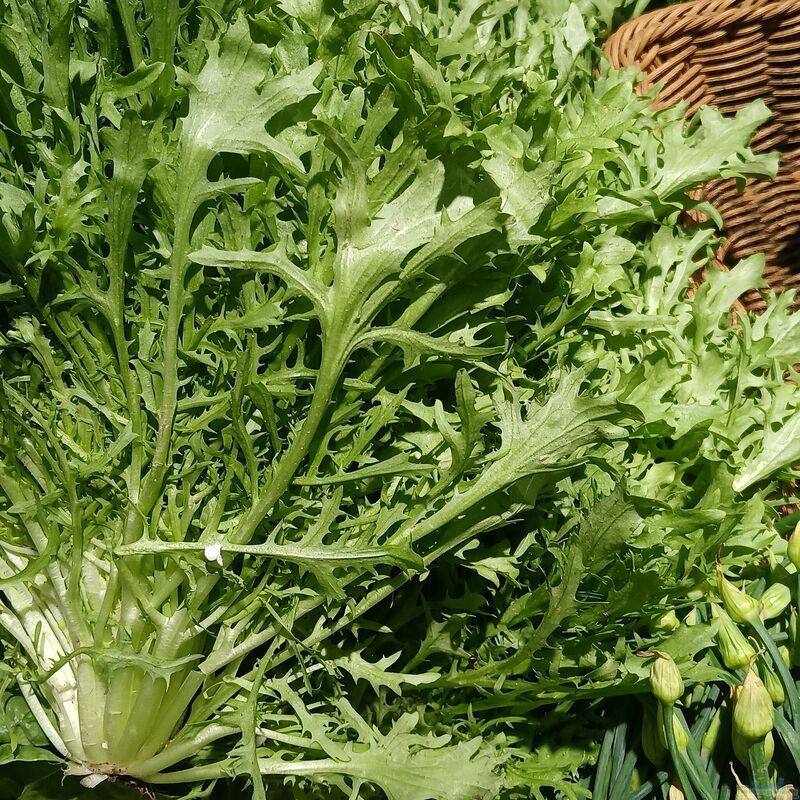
x=759, y=767
x=91, y=710
x=44, y=721
x=147, y=701
x=676, y=754
x=123, y=689
x=287, y=467
x=267, y=766
x=191, y=173
x=173, y=709
x=174, y=753
x=76, y=625
x=176, y=706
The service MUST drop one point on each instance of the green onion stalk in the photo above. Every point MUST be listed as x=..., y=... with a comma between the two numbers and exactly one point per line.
x=676, y=744
x=759, y=768
x=667, y=687
x=753, y=721
x=747, y=610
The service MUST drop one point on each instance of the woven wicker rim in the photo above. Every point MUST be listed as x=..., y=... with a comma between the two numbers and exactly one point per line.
x=728, y=53
x=626, y=46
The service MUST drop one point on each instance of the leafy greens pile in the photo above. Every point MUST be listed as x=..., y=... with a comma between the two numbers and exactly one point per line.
x=354, y=401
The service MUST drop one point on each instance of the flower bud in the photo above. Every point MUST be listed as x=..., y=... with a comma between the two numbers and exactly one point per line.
x=741, y=748
x=793, y=547
x=667, y=622
x=675, y=793
x=636, y=779
x=773, y=685
x=665, y=679
x=679, y=731
x=734, y=648
x=741, y=607
x=652, y=745
x=783, y=652
x=711, y=736
x=753, y=714
x=794, y=639
x=775, y=600
x=743, y=793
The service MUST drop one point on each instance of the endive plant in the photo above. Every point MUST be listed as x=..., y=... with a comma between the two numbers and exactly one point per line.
x=283, y=291
x=184, y=504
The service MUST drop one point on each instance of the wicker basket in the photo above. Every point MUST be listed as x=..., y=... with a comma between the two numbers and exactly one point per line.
x=728, y=53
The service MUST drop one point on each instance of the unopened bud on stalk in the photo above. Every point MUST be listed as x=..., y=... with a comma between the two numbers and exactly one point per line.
x=783, y=652
x=652, y=746
x=711, y=736
x=675, y=793
x=667, y=622
x=680, y=733
x=775, y=600
x=665, y=679
x=743, y=793
x=793, y=547
x=734, y=648
x=753, y=713
x=741, y=748
x=794, y=639
x=738, y=604
x=773, y=685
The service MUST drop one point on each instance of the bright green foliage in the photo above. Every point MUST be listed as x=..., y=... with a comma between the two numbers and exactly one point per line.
x=353, y=403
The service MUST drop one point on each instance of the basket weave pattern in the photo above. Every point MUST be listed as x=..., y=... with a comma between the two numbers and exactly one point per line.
x=728, y=53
